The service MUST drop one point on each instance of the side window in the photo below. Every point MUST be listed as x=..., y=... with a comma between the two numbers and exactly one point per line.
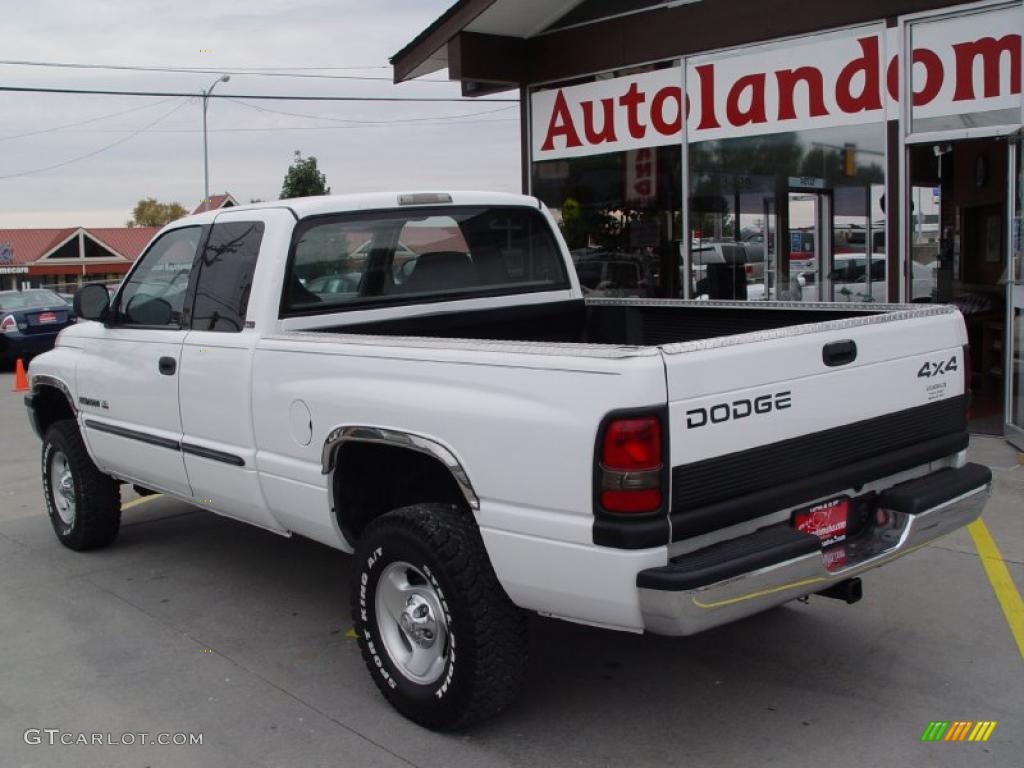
x=154, y=295
x=225, y=276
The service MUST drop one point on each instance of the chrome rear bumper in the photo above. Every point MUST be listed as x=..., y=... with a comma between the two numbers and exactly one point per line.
x=668, y=611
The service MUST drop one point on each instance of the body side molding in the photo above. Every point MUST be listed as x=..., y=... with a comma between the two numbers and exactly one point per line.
x=212, y=454
x=362, y=434
x=132, y=434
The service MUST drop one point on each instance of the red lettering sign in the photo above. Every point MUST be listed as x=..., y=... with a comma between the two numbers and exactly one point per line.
x=828, y=80
x=561, y=125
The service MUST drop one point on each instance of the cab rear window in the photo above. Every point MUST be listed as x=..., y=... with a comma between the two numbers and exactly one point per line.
x=357, y=261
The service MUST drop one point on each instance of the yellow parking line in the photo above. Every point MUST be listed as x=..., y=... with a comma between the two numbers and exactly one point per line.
x=998, y=575
x=140, y=500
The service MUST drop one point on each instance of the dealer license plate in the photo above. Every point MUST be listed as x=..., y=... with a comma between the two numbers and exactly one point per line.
x=827, y=520
x=46, y=317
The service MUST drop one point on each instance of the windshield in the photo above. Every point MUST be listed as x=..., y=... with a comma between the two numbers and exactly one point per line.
x=29, y=299
x=353, y=261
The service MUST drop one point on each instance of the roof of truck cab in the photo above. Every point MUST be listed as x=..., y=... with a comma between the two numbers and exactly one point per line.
x=366, y=201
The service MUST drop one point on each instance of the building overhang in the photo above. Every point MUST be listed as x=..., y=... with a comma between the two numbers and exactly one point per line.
x=480, y=42
x=493, y=45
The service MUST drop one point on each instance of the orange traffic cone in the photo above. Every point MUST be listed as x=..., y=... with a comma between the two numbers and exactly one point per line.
x=20, y=379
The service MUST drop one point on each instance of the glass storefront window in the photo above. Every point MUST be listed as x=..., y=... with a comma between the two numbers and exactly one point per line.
x=620, y=214
x=931, y=251
x=619, y=211
x=794, y=216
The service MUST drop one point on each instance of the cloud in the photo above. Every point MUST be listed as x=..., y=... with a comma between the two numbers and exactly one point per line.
x=249, y=149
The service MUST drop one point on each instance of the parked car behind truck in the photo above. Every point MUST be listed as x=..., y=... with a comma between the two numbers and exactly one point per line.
x=489, y=443
x=30, y=321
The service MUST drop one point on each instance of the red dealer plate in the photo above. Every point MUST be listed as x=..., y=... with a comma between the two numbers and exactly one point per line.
x=46, y=317
x=827, y=520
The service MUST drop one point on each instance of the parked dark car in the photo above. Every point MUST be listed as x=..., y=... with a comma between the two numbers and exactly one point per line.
x=30, y=321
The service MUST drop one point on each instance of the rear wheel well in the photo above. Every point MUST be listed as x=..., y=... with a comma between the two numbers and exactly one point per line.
x=51, y=405
x=370, y=480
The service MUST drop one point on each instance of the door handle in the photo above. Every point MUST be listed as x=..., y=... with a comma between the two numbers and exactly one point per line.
x=839, y=353
x=168, y=365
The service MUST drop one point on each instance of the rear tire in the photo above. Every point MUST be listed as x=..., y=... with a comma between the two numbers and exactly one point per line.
x=441, y=639
x=83, y=503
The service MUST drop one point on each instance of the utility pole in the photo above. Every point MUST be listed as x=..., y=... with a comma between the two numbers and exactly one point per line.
x=206, y=152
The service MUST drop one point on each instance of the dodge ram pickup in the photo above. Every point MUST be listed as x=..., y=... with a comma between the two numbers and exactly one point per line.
x=418, y=379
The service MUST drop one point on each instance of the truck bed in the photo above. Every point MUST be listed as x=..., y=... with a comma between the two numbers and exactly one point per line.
x=631, y=322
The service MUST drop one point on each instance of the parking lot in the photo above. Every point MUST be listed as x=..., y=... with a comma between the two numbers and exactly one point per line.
x=196, y=624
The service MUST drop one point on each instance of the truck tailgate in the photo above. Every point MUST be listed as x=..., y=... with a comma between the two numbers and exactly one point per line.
x=767, y=421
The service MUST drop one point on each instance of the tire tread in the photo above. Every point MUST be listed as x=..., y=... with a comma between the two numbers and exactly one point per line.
x=499, y=628
x=98, y=502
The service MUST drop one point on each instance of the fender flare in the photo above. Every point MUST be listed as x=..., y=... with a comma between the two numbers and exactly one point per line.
x=40, y=383
x=41, y=380
x=376, y=435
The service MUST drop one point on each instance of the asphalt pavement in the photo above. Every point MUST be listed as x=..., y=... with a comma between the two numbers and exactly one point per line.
x=197, y=625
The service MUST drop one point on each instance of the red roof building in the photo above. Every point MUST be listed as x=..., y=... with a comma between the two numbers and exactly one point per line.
x=216, y=202
x=67, y=257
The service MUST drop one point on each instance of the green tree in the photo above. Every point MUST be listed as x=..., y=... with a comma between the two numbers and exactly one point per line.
x=572, y=224
x=149, y=212
x=304, y=179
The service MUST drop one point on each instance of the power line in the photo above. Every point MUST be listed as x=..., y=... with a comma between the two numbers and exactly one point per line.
x=311, y=69
x=367, y=122
x=274, y=129
x=99, y=92
x=260, y=72
x=83, y=122
x=101, y=149
x=232, y=69
x=346, y=122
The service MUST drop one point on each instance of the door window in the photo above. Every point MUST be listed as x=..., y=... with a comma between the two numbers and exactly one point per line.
x=225, y=276
x=154, y=295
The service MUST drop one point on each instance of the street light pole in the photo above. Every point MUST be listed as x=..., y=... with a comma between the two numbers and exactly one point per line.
x=206, y=153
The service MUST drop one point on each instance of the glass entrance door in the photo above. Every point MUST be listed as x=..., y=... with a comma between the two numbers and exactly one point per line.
x=1015, y=300
x=804, y=270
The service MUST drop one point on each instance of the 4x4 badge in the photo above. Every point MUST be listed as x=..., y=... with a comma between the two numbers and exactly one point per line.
x=937, y=369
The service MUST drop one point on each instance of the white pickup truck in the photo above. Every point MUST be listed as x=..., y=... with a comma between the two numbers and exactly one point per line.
x=417, y=378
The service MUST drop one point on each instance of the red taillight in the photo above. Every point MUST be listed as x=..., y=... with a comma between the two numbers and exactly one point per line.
x=8, y=324
x=631, y=501
x=631, y=465
x=631, y=444
x=749, y=269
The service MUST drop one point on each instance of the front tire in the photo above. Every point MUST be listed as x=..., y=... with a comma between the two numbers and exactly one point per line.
x=441, y=639
x=83, y=503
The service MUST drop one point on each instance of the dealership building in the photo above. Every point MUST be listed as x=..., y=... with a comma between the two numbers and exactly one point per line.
x=727, y=149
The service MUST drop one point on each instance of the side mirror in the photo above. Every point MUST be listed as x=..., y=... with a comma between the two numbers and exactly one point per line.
x=92, y=302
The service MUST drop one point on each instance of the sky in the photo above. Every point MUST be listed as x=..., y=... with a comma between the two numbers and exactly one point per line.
x=159, y=150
